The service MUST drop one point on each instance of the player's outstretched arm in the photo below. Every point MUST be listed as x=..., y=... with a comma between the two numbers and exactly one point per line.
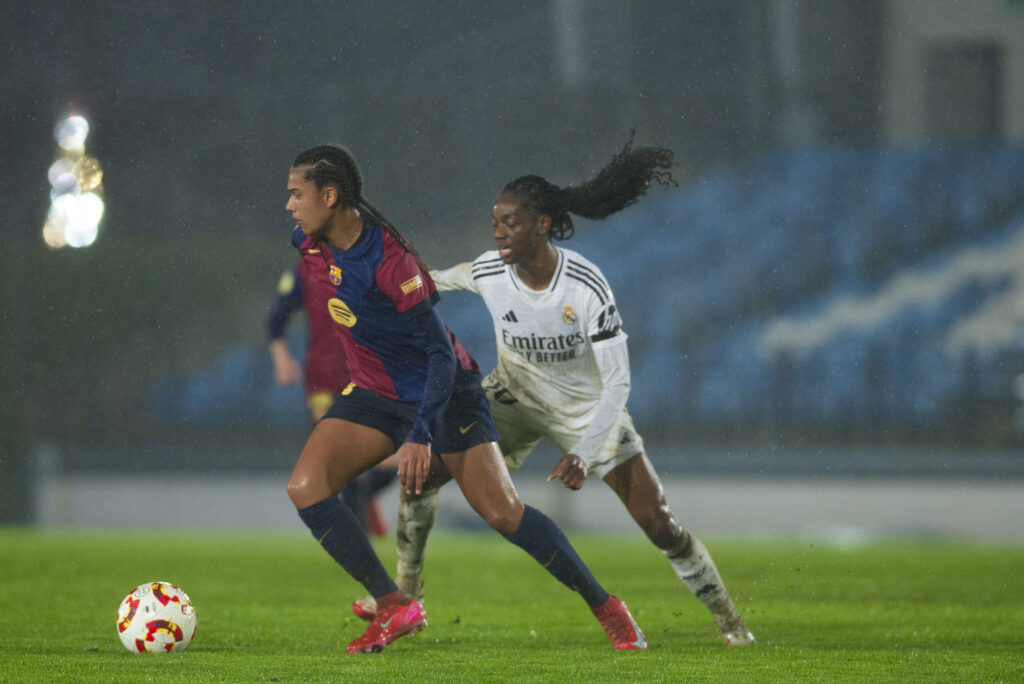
x=459, y=277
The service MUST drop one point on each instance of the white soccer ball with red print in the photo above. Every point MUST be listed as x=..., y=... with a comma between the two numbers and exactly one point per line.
x=157, y=617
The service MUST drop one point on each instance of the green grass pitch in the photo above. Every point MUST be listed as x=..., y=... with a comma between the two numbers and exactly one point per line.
x=274, y=608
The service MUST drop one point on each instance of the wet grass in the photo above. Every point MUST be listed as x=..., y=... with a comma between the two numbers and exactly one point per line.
x=273, y=607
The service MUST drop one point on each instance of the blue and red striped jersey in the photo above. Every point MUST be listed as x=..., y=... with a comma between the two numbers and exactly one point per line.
x=373, y=291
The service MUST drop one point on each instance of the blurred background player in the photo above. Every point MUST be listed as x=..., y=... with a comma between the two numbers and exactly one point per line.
x=324, y=377
x=563, y=368
x=412, y=387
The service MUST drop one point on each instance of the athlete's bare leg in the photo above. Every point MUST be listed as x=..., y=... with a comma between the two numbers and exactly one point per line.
x=336, y=452
x=484, y=480
x=636, y=483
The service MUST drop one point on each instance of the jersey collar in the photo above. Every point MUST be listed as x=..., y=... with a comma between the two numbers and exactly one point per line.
x=521, y=287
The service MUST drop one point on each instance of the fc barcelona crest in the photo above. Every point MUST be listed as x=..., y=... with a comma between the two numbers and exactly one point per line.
x=334, y=273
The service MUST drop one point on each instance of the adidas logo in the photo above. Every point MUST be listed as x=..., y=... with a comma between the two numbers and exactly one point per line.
x=510, y=317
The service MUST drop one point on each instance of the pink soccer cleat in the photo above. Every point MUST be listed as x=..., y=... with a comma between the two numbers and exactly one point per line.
x=389, y=624
x=620, y=626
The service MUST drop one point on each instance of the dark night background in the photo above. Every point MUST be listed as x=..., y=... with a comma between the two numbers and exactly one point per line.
x=149, y=346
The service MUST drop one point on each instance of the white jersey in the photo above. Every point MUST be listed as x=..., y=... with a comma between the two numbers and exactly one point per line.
x=550, y=341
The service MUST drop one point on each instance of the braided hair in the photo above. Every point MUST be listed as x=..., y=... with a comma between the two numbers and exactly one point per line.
x=618, y=185
x=335, y=165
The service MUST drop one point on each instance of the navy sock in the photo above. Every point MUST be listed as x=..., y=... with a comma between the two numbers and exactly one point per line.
x=355, y=496
x=540, y=537
x=338, y=531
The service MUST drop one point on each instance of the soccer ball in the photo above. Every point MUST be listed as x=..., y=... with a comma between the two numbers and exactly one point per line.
x=157, y=617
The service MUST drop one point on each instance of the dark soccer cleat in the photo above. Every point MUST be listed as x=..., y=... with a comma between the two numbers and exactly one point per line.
x=389, y=624
x=620, y=626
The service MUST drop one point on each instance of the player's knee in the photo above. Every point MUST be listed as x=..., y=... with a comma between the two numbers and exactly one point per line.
x=504, y=520
x=302, y=492
x=295, y=492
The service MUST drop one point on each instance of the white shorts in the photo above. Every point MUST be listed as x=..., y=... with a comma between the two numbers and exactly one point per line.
x=521, y=427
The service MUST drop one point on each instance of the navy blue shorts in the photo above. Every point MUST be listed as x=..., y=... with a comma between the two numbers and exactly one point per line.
x=465, y=422
x=363, y=407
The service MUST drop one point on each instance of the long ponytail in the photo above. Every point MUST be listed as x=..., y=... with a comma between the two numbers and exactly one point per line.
x=621, y=183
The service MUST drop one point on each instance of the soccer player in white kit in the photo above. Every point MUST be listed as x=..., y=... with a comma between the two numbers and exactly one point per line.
x=563, y=368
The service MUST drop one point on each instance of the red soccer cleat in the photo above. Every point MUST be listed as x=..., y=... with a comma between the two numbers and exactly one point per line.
x=389, y=624
x=619, y=625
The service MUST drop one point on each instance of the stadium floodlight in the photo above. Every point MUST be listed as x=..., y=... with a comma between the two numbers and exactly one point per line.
x=89, y=210
x=88, y=172
x=76, y=180
x=81, y=233
x=62, y=208
x=62, y=172
x=73, y=220
x=72, y=132
x=53, y=235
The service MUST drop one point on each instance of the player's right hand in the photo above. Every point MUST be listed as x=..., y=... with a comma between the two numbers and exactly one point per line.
x=571, y=470
x=413, y=466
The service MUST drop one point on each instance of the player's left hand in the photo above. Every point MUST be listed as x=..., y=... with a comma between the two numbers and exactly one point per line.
x=413, y=466
x=571, y=470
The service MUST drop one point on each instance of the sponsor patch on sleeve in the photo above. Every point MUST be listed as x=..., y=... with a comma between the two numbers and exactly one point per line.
x=414, y=283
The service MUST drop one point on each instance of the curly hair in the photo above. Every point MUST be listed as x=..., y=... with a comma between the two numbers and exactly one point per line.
x=621, y=183
x=334, y=165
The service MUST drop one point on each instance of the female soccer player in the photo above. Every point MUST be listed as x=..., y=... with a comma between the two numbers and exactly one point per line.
x=324, y=377
x=563, y=367
x=412, y=387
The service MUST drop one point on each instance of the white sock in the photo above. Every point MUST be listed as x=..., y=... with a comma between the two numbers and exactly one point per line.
x=416, y=515
x=693, y=565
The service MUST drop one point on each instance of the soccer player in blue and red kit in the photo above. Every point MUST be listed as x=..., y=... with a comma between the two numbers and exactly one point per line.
x=412, y=390
x=324, y=373
x=324, y=377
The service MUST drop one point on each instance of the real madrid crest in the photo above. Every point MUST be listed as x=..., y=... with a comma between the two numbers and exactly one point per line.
x=568, y=316
x=334, y=273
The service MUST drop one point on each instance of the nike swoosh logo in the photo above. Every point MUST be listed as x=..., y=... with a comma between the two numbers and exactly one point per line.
x=466, y=429
x=639, y=643
x=384, y=625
